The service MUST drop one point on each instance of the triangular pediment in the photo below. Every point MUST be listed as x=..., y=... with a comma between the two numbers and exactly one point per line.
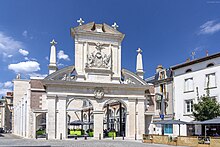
x=96, y=28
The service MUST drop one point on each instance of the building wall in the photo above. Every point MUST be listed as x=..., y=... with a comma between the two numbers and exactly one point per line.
x=198, y=74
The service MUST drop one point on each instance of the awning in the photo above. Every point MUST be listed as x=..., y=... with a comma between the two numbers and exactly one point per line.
x=213, y=121
x=167, y=122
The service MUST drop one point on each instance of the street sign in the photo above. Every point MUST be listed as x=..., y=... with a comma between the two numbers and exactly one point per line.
x=162, y=116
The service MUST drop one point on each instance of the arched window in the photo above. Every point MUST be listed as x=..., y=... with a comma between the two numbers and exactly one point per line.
x=210, y=65
x=188, y=70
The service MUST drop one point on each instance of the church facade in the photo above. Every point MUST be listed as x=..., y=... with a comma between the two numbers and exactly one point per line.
x=96, y=94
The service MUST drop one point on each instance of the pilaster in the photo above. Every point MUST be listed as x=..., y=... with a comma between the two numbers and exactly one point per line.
x=51, y=116
x=140, y=118
x=131, y=119
x=98, y=123
x=61, y=117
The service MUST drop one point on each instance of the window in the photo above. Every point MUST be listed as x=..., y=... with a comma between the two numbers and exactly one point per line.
x=188, y=70
x=158, y=104
x=210, y=80
x=189, y=106
x=210, y=65
x=188, y=84
x=168, y=129
x=162, y=75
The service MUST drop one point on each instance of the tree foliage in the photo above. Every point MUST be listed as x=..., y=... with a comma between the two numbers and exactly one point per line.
x=207, y=108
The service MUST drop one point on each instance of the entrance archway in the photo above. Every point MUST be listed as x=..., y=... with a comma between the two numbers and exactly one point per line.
x=41, y=125
x=114, y=118
x=79, y=117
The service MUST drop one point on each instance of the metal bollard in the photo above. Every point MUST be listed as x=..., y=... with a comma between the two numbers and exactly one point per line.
x=36, y=136
x=46, y=136
x=123, y=136
x=60, y=136
x=85, y=137
x=135, y=137
x=75, y=137
x=99, y=136
x=113, y=136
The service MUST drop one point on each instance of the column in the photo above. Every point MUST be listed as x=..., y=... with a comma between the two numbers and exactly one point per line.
x=51, y=117
x=34, y=125
x=131, y=118
x=140, y=118
x=98, y=123
x=89, y=118
x=120, y=119
x=62, y=117
x=107, y=116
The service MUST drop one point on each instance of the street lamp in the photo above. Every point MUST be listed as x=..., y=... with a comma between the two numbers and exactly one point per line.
x=162, y=110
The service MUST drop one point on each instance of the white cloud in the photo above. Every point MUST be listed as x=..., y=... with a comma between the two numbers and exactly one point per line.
x=60, y=65
x=4, y=91
x=62, y=55
x=37, y=75
x=25, y=33
x=5, y=87
x=47, y=58
x=9, y=56
x=23, y=52
x=26, y=58
x=8, y=84
x=210, y=27
x=8, y=44
x=25, y=67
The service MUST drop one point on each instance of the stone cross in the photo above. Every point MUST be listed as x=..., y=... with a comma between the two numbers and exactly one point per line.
x=80, y=21
x=207, y=53
x=193, y=55
x=53, y=42
x=115, y=26
x=139, y=50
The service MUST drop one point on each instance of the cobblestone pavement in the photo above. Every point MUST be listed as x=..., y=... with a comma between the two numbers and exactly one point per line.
x=12, y=140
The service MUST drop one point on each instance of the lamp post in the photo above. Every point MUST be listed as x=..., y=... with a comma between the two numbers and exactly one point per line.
x=162, y=110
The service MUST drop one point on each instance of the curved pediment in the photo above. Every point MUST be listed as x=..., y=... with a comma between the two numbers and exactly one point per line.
x=65, y=74
x=129, y=77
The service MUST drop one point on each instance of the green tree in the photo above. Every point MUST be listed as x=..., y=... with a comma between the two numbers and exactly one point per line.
x=207, y=108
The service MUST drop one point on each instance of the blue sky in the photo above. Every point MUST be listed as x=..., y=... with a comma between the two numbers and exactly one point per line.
x=166, y=30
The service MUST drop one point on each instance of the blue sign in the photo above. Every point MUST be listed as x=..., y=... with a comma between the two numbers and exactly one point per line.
x=162, y=116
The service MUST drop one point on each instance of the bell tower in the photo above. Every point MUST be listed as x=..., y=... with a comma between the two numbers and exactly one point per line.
x=97, y=52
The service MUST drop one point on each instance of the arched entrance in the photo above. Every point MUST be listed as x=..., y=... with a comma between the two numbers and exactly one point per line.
x=114, y=118
x=41, y=125
x=79, y=117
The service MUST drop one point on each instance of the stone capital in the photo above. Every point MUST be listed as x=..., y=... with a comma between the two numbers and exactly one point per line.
x=62, y=97
x=98, y=112
x=51, y=96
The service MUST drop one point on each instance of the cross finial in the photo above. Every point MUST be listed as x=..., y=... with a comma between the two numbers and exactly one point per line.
x=80, y=21
x=193, y=55
x=139, y=50
x=207, y=53
x=115, y=26
x=53, y=42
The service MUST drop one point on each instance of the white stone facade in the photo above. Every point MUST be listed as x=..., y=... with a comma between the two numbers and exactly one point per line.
x=190, y=82
x=97, y=77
